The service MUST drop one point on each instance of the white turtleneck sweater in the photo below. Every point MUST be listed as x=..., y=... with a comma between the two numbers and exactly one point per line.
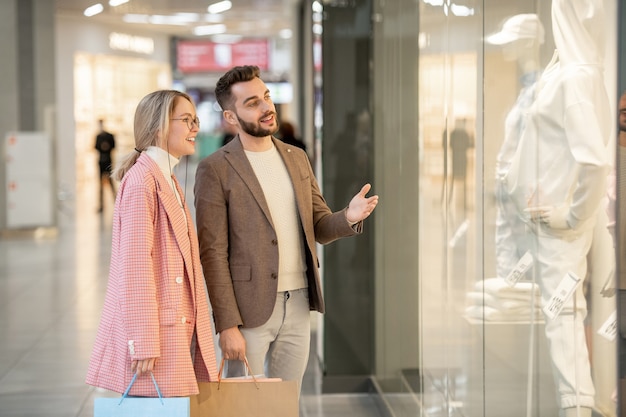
x=272, y=174
x=166, y=163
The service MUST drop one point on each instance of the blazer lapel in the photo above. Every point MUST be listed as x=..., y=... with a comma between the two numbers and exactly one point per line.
x=237, y=158
x=294, y=173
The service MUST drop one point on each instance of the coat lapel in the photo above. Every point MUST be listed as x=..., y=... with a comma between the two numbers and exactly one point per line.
x=237, y=158
x=294, y=173
x=172, y=209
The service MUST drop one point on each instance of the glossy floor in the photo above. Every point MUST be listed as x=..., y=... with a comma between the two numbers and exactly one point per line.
x=51, y=294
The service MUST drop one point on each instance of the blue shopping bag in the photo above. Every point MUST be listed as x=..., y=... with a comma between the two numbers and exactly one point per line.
x=141, y=406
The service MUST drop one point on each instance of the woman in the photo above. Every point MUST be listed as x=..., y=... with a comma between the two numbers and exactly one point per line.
x=156, y=316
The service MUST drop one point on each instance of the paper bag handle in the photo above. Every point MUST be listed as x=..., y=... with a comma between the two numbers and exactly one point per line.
x=132, y=381
x=245, y=360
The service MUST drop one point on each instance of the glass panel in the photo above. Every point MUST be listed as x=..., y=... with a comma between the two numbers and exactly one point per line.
x=511, y=181
x=551, y=165
x=449, y=69
x=517, y=370
x=346, y=143
x=396, y=160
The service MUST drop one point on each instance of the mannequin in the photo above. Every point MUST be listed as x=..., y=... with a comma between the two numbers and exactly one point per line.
x=520, y=38
x=557, y=181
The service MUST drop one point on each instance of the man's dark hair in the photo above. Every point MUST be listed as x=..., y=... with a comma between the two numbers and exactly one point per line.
x=235, y=75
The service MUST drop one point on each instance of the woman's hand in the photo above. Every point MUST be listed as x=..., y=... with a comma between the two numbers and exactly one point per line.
x=143, y=365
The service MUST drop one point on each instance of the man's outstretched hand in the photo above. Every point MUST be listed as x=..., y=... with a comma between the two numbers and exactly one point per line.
x=360, y=206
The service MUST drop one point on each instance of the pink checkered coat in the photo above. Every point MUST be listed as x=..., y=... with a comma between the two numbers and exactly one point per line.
x=155, y=294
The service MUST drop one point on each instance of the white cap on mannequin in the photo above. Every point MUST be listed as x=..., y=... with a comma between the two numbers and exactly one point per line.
x=521, y=26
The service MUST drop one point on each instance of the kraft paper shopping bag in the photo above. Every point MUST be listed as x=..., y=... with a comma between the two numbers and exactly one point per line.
x=248, y=397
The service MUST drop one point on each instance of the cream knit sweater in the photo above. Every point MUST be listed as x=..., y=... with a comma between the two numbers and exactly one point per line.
x=272, y=174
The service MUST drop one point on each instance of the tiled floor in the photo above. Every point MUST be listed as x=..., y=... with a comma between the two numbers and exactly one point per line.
x=51, y=293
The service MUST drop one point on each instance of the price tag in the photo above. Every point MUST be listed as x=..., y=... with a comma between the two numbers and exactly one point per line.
x=520, y=269
x=609, y=329
x=563, y=292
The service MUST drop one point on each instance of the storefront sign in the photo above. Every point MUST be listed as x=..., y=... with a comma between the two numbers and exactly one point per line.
x=124, y=42
x=203, y=56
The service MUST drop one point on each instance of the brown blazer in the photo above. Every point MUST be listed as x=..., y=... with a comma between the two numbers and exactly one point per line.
x=238, y=243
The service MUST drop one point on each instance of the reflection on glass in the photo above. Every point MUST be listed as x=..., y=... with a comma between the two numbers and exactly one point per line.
x=461, y=141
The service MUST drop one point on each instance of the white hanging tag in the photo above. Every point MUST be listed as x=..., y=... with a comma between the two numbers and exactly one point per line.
x=520, y=269
x=609, y=329
x=563, y=292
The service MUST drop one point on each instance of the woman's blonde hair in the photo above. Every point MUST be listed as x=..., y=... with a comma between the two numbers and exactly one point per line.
x=152, y=124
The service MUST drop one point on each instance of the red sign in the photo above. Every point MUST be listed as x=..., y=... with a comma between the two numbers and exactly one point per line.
x=204, y=56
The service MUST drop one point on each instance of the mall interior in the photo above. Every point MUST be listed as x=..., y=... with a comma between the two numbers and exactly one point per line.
x=493, y=131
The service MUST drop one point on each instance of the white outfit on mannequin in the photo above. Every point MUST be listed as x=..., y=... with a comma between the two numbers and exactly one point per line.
x=520, y=38
x=559, y=174
x=510, y=229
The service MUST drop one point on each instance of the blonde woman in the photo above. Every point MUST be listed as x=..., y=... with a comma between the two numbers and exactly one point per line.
x=156, y=316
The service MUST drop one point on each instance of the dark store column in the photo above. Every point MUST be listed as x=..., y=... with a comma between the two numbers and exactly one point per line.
x=347, y=166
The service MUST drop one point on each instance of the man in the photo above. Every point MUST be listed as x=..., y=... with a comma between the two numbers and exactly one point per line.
x=105, y=142
x=259, y=215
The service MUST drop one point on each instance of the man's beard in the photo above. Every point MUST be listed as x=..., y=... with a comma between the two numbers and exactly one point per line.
x=255, y=130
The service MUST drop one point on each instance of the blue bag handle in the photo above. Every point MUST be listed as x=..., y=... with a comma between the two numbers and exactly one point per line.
x=132, y=381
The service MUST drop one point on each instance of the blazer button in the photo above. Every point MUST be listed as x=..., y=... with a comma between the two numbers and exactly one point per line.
x=274, y=242
x=274, y=275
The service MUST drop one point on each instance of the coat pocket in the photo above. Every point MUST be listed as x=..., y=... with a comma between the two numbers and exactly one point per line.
x=240, y=273
x=167, y=317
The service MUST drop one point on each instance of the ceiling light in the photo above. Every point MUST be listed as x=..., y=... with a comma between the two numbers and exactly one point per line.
x=285, y=34
x=136, y=18
x=317, y=7
x=93, y=10
x=209, y=30
x=158, y=19
x=461, y=11
x=188, y=17
x=114, y=3
x=220, y=7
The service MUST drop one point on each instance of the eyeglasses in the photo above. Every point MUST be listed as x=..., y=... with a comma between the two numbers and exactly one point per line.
x=190, y=121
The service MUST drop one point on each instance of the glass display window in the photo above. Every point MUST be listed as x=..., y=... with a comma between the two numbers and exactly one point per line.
x=515, y=278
